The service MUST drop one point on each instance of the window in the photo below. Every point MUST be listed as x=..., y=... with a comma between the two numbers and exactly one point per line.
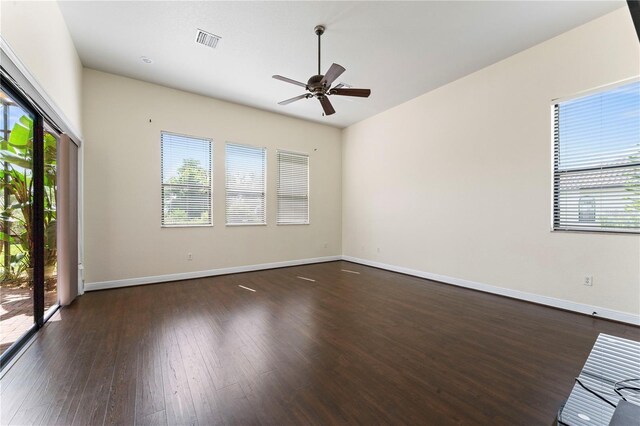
x=186, y=180
x=597, y=161
x=293, y=188
x=246, y=201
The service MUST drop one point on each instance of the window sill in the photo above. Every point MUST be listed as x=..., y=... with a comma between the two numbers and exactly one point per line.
x=187, y=226
x=592, y=232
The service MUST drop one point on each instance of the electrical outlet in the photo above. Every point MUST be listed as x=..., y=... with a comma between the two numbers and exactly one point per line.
x=378, y=249
x=588, y=280
x=189, y=256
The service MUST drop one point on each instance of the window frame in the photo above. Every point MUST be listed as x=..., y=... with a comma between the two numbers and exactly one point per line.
x=264, y=183
x=162, y=184
x=286, y=151
x=553, y=195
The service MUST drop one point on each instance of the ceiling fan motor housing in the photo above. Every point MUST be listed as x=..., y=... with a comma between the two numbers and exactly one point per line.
x=315, y=85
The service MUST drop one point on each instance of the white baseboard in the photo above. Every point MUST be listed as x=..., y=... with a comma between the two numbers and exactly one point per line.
x=516, y=294
x=103, y=285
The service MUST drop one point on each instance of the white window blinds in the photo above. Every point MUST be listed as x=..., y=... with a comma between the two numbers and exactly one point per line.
x=186, y=180
x=597, y=162
x=293, y=188
x=245, y=184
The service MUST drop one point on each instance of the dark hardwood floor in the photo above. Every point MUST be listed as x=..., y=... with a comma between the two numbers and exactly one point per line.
x=373, y=348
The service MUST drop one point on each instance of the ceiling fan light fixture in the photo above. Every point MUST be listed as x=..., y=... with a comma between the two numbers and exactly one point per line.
x=319, y=86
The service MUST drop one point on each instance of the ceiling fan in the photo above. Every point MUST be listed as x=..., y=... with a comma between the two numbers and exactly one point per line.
x=319, y=86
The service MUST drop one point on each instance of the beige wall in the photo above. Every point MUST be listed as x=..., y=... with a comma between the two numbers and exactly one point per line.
x=38, y=34
x=457, y=182
x=123, y=237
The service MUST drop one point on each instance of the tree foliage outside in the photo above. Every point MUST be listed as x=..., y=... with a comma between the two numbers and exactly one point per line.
x=187, y=195
x=633, y=188
x=16, y=215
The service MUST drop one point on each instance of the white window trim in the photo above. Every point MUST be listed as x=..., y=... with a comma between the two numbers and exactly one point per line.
x=592, y=91
x=552, y=103
x=287, y=151
x=266, y=198
x=204, y=225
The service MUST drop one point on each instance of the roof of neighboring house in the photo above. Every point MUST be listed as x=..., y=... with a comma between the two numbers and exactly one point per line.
x=600, y=179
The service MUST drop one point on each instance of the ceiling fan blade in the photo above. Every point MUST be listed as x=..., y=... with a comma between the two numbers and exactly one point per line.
x=333, y=72
x=326, y=105
x=297, y=98
x=288, y=80
x=361, y=93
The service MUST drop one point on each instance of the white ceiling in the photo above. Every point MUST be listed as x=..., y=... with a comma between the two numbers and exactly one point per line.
x=399, y=50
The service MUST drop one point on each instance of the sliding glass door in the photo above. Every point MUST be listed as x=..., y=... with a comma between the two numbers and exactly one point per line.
x=16, y=180
x=28, y=220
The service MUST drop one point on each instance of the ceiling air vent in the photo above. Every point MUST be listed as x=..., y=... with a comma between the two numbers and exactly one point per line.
x=207, y=39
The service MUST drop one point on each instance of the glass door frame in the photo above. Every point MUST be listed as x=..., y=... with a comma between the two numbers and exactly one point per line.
x=38, y=221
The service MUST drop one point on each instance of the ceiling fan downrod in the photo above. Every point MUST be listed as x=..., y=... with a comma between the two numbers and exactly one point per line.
x=319, y=29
